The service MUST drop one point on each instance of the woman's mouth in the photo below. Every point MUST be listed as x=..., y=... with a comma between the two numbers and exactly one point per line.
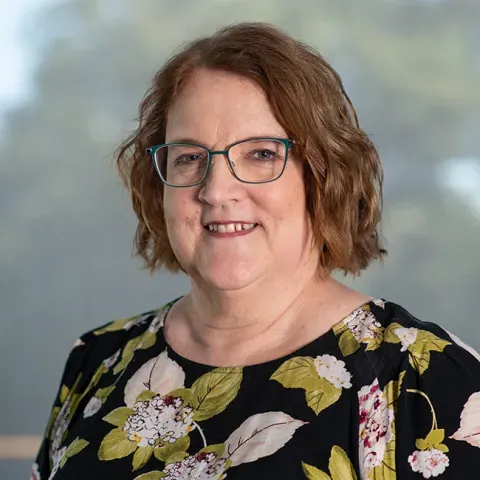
x=230, y=228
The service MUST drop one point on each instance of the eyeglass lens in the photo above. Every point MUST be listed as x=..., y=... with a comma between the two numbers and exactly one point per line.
x=253, y=161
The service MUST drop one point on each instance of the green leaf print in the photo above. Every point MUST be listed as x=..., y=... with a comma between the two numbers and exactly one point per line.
x=376, y=341
x=213, y=391
x=92, y=384
x=339, y=328
x=113, y=326
x=313, y=473
x=51, y=421
x=73, y=449
x=435, y=436
x=419, y=344
x=145, y=396
x=116, y=445
x=322, y=379
x=76, y=447
x=141, y=457
x=119, y=416
x=217, y=449
x=340, y=466
x=348, y=343
x=184, y=393
x=389, y=333
x=323, y=397
x=103, y=393
x=298, y=372
x=64, y=391
x=127, y=354
x=155, y=475
x=420, y=349
x=142, y=342
x=421, y=444
x=149, y=339
x=430, y=341
x=419, y=361
x=386, y=470
x=176, y=457
x=433, y=440
x=392, y=391
x=166, y=451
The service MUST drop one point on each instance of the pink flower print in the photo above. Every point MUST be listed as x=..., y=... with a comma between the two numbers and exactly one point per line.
x=375, y=429
x=430, y=463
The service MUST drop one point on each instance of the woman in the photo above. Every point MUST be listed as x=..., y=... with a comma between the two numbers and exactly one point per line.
x=248, y=172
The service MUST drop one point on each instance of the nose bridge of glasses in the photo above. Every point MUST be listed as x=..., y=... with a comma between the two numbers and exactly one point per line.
x=226, y=156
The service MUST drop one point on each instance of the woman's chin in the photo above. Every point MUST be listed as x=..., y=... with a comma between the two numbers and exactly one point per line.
x=229, y=276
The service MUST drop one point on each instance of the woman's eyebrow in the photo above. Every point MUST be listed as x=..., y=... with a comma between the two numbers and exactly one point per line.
x=186, y=140
x=250, y=137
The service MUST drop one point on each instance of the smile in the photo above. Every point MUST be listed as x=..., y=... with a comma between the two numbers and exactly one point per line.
x=230, y=228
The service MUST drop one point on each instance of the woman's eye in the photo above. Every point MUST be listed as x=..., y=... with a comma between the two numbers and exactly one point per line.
x=188, y=158
x=264, y=154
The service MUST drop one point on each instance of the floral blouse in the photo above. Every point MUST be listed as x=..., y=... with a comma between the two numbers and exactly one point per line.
x=380, y=396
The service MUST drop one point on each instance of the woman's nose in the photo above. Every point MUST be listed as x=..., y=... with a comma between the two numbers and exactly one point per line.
x=220, y=186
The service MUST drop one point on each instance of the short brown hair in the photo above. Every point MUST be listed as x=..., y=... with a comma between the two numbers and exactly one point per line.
x=342, y=173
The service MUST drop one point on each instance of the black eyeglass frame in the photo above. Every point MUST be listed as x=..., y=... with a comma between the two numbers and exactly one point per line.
x=153, y=150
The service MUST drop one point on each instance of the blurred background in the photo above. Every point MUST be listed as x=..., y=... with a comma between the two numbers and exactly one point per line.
x=72, y=75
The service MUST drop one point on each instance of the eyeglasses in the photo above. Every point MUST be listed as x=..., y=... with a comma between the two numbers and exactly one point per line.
x=256, y=160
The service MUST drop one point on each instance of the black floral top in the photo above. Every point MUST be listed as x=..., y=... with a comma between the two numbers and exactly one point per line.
x=382, y=395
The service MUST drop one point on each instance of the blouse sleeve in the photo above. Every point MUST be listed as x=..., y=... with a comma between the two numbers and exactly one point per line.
x=60, y=413
x=438, y=412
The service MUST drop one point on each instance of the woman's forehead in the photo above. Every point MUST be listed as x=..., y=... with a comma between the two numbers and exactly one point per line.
x=218, y=105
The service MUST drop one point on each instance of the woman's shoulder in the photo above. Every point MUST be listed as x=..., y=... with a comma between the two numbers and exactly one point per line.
x=418, y=392
x=114, y=340
x=125, y=327
x=389, y=335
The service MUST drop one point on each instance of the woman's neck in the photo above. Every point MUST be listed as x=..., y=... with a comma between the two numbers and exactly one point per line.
x=258, y=323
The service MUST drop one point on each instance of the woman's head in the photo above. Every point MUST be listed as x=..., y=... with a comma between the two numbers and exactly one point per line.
x=251, y=80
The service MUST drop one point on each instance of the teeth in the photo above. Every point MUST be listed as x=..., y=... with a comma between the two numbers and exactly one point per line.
x=230, y=227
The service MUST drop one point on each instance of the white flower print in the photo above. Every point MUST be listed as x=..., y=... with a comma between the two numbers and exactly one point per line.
x=78, y=343
x=375, y=429
x=202, y=466
x=135, y=321
x=363, y=325
x=333, y=370
x=163, y=417
x=158, y=321
x=407, y=336
x=379, y=302
x=60, y=427
x=56, y=459
x=430, y=463
x=92, y=407
x=110, y=361
x=35, y=474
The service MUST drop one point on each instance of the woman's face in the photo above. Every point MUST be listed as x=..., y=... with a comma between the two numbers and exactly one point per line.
x=217, y=109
